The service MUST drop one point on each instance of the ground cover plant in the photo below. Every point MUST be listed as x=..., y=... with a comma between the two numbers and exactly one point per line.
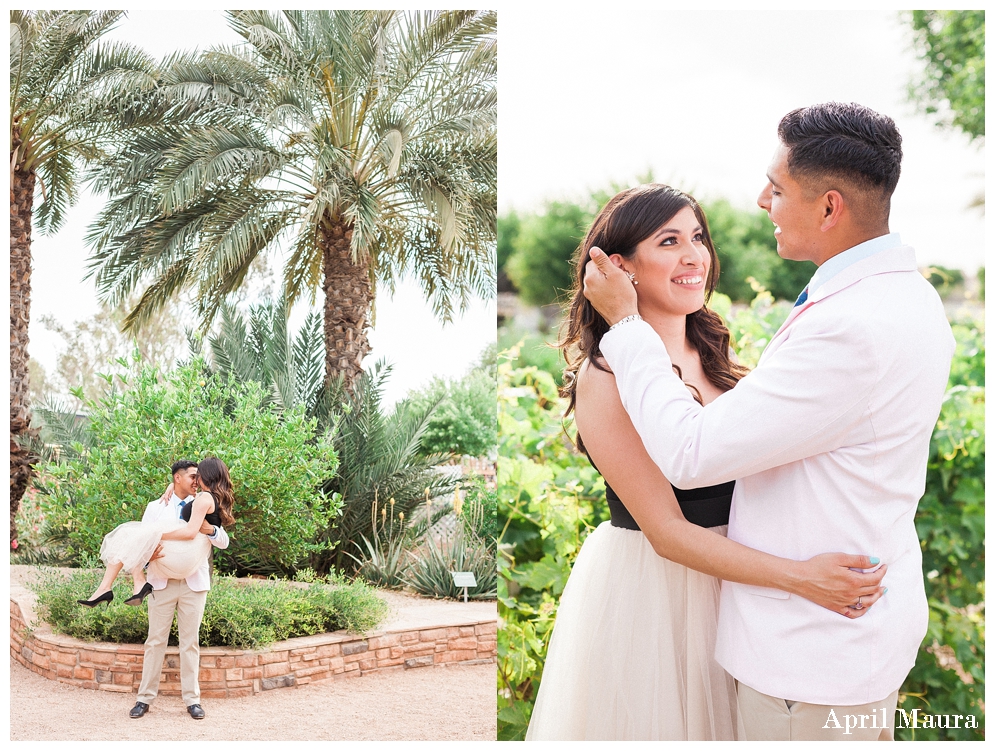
x=238, y=613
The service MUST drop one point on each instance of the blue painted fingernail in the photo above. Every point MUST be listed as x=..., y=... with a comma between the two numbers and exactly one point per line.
x=875, y=561
x=885, y=591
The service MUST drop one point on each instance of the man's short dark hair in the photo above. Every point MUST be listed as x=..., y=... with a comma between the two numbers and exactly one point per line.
x=849, y=143
x=183, y=464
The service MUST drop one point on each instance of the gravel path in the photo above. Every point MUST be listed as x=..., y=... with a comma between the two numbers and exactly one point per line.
x=454, y=702
x=439, y=703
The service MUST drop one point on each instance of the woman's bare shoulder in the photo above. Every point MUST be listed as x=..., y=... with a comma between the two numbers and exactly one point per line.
x=597, y=390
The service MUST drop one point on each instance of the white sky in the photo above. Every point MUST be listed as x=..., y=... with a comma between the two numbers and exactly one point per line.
x=591, y=98
x=406, y=334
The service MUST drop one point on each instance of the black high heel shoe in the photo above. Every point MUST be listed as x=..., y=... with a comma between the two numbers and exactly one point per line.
x=139, y=597
x=105, y=597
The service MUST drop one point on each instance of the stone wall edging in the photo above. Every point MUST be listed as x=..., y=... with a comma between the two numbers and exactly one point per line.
x=228, y=673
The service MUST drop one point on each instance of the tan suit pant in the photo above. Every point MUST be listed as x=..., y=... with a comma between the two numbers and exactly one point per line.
x=766, y=718
x=188, y=606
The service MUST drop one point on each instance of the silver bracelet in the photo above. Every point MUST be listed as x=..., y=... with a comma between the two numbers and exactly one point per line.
x=627, y=319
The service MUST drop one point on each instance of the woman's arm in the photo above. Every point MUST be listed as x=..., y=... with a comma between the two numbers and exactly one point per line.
x=202, y=504
x=620, y=456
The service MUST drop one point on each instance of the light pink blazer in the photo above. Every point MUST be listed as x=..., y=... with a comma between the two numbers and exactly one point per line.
x=199, y=580
x=828, y=440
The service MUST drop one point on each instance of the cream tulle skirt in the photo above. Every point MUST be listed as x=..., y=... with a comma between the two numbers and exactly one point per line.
x=631, y=655
x=133, y=543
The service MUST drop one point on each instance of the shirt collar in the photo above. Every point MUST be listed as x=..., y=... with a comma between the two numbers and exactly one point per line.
x=850, y=256
x=177, y=500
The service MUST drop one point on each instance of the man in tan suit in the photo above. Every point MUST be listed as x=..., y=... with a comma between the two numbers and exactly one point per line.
x=185, y=598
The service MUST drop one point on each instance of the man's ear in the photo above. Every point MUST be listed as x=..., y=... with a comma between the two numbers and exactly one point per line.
x=833, y=207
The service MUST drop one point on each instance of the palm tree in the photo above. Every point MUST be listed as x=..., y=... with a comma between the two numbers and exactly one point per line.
x=69, y=98
x=363, y=142
x=382, y=468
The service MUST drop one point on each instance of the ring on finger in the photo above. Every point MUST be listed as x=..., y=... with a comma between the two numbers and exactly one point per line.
x=859, y=605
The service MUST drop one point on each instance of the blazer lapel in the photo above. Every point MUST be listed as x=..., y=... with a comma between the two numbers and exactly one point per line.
x=887, y=261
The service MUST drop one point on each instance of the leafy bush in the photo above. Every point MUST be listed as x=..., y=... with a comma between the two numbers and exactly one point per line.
x=944, y=279
x=550, y=498
x=241, y=614
x=479, y=511
x=532, y=350
x=949, y=675
x=134, y=437
x=465, y=420
x=541, y=264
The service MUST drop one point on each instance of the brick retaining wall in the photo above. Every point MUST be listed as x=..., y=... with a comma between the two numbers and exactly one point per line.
x=226, y=672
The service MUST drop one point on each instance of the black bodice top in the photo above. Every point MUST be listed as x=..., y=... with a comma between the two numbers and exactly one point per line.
x=212, y=518
x=706, y=507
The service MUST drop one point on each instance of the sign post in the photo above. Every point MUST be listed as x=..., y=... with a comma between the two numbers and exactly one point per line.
x=464, y=579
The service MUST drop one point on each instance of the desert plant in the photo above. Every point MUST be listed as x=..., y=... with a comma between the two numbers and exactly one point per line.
x=435, y=560
x=379, y=459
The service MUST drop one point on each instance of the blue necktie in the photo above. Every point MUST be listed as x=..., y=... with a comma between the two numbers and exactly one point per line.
x=180, y=508
x=801, y=298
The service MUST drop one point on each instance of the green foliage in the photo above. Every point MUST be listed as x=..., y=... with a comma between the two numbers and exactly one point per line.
x=479, y=513
x=550, y=498
x=382, y=123
x=71, y=98
x=380, y=460
x=532, y=350
x=949, y=676
x=134, y=436
x=240, y=614
x=981, y=282
x=951, y=45
x=508, y=227
x=744, y=241
x=944, y=279
x=431, y=572
x=542, y=263
x=465, y=420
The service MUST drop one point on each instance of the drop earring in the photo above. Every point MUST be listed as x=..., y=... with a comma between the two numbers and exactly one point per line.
x=632, y=278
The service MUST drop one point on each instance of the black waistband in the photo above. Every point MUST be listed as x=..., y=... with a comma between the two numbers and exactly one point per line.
x=705, y=507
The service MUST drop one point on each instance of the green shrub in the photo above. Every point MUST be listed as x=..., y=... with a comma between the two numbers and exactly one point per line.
x=944, y=279
x=532, y=350
x=949, y=675
x=479, y=513
x=241, y=614
x=135, y=436
x=464, y=420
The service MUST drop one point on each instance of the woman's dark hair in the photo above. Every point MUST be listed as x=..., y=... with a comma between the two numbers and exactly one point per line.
x=626, y=220
x=213, y=475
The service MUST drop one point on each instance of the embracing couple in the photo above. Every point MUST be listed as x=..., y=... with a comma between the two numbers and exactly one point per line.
x=752, y=478
x=174, y=540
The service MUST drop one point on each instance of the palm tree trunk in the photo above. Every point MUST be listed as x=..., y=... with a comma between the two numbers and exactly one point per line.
x=348, y=297
x=22, y=189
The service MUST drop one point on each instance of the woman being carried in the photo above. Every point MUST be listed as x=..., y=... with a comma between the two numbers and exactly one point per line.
x=130, y=546
x=631, y=654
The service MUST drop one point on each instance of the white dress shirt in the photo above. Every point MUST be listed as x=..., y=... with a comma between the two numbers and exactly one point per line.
x=828, y=439
x=199, y=580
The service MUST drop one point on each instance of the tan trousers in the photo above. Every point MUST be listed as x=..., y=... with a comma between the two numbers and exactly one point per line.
x=766, y=718
x=188, y=605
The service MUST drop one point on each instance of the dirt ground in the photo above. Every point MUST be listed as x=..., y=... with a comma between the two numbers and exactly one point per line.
x=430, y=704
